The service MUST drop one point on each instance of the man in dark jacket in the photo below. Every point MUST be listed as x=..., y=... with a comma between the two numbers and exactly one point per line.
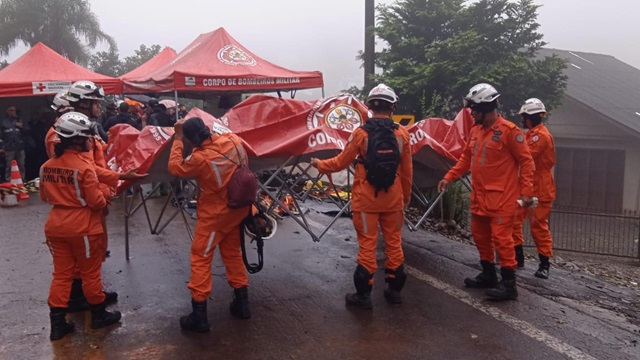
x=123, y=117
x=159, y=116
x=12, y=130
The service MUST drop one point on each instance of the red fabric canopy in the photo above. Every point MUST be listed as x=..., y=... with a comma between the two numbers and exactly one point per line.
x=166, y=55
x=42, y=71
x=217, y=62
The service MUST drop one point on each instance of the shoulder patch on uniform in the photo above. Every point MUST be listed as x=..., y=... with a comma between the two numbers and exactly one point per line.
x=350, y=138
x=519, y=138
x=536, y=138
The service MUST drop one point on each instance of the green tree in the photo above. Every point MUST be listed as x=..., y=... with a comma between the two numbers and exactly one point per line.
x=437, y=49
x=106, y=63
x=140, y=56
x=67, y=26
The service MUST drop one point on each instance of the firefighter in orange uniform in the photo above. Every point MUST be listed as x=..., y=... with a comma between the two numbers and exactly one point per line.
x=84, y=97
x=374, y=202
x=74, y=227
x=212, y=163
x=502, y=172
x=543, y=152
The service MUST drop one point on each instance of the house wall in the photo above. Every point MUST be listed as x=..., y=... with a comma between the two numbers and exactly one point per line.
x=575, y=125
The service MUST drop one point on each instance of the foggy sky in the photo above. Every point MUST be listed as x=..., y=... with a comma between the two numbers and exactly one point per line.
x=326, y=35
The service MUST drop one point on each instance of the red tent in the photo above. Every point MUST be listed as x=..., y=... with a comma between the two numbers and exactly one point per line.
x=167, y=54
x=217, y=62
x=42, y=71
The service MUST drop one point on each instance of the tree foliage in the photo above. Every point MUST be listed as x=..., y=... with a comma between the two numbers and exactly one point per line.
x=67, y=26
x=436, y=50
x=3, y=64
x=109, y=62
x=140, y=56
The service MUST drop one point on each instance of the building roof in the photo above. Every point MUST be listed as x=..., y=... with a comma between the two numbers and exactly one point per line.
x=603, y=83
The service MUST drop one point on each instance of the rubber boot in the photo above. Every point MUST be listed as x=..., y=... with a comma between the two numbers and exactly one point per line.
x=519, y=256
x=486, y=279
x=543, y=269
x=100, y=317
x=395, y=280
x=77, y=301
x=239, y=307
x=506, y=288
x=196, y=321
x=362, y=297
x=59, y=325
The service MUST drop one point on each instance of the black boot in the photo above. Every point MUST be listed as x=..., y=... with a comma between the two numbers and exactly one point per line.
x=59, y=325
x=519, y=256
x=362, y=297
x=506, y=288
x=77, y=301
x=196, y=321
x=100, y=317
x=396, y=279
x=543, y=269
x=486, y=279
x=239, y=307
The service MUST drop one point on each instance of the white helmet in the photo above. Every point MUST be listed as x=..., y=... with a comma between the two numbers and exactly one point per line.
x=267, y=226
x=61, y=102
x=532, y=106
x=85, y=90
x=384, y=93
x=481, y=93
x=74, y=124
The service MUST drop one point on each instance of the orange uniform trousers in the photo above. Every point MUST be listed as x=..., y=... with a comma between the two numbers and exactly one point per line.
x=491, y=233
x=366, y=224
x=539, y=224
x=202, y=249
x=86, y=254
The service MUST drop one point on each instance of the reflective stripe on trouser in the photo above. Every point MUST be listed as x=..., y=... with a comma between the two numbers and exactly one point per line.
x=83, y=252
x=366, y=225
x=202, y=249
x=539, y=224
x=494, y=232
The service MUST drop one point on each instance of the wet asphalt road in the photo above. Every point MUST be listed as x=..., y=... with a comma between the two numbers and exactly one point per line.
x=297, y=303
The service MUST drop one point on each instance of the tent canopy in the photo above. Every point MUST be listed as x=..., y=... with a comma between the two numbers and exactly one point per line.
x=166, y=55
x=216, y=62
x=42, y=71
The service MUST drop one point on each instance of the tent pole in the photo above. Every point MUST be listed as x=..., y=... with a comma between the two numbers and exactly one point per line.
x=323, y=92
x=176, y=106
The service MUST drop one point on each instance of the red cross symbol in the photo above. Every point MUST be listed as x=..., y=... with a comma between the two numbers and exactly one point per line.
x=41, y=87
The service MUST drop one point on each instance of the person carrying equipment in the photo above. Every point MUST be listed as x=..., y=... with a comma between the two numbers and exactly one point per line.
x=213, y=162
x=381, y=191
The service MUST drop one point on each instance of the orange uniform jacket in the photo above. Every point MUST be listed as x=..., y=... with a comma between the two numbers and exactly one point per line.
x=495, y=156
x=70, y=184
x=95, y=155
x=543, y=153
x=364, y=198
x=213, y=172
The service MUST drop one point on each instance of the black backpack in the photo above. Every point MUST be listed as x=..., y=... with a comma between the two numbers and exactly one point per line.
x=383, y=154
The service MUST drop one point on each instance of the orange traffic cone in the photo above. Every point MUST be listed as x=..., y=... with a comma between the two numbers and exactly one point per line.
x=16, y=179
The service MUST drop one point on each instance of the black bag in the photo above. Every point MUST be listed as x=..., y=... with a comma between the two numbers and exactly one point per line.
x=243, y=186
x=383, y=154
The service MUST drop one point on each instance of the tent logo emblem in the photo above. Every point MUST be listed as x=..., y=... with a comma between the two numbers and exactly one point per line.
x=335, y=112
x=190, y=81
x=233, y=55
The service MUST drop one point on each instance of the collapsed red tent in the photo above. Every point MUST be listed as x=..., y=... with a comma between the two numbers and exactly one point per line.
x=163, y=57
x=275, y=129
x=42, y=71
x=215, y=61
